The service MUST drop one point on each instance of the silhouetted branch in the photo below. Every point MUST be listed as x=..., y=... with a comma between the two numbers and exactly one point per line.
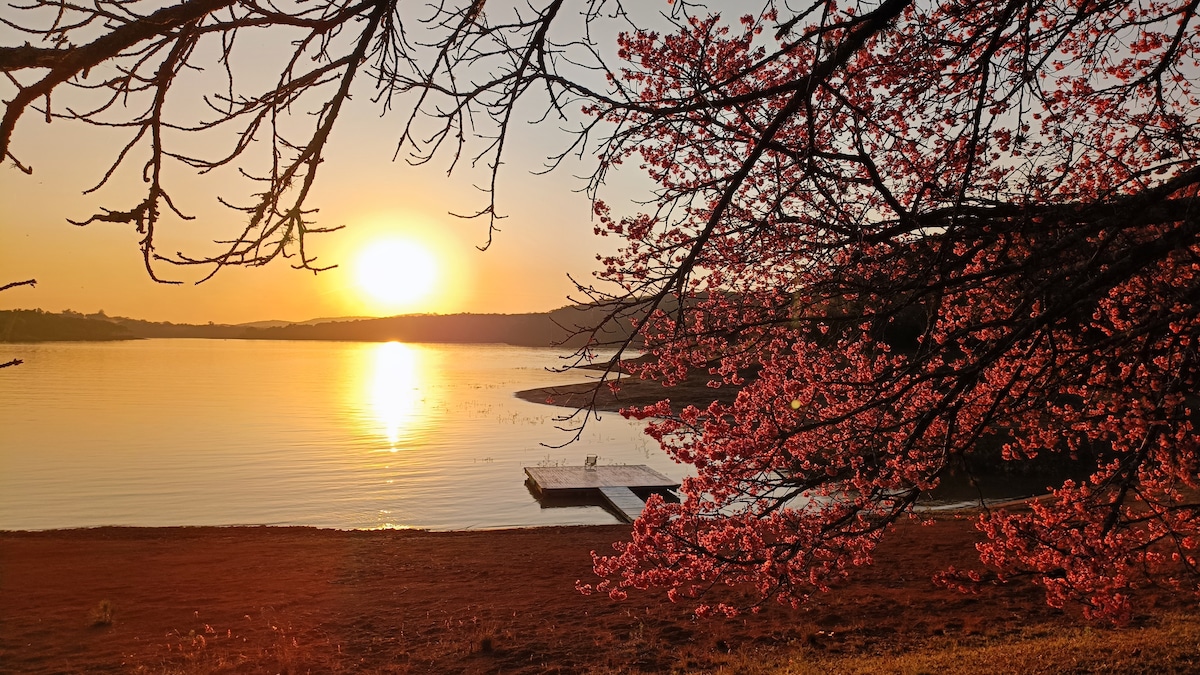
x=15, y=284
x=5, y=287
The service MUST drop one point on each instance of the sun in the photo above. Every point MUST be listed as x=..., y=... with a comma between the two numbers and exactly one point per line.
x=397, y=274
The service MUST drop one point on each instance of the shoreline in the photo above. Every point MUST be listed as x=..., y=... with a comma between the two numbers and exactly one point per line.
x=632, y=392
x=268, y=599
x=296, y=599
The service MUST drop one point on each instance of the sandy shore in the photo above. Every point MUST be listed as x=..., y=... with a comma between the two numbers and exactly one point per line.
x=296, y=600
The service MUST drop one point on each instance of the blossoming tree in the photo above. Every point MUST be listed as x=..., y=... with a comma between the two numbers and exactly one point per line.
x=1020, y=179
x=905, y=232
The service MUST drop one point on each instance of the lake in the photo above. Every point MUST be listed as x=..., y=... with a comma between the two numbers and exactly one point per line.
x=328, y=434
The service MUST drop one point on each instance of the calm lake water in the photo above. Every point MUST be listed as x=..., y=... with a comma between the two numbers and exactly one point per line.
x=330, y=434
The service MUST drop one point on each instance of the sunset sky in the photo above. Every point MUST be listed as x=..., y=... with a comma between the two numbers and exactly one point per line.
x=548, y=232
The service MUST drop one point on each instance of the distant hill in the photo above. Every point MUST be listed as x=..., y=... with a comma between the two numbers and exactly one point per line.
x=166, y=329
x=528, y=330
x=34, y=325
x=277, y=323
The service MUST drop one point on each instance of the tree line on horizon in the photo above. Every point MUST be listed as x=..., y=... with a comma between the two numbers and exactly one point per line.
x=558, y=328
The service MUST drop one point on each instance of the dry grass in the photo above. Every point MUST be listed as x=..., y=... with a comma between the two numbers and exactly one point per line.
x=101, y=615
x=1171, y=645
x=260, y=645
x=474, y=603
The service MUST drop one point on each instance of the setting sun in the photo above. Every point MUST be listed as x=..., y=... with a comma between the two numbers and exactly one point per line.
x=397, y=274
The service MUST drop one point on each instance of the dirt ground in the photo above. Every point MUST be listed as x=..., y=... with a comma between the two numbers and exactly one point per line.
x=299, y=600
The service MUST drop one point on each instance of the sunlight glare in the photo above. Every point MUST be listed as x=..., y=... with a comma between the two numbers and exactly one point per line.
x=398, y=274
x=396, y=390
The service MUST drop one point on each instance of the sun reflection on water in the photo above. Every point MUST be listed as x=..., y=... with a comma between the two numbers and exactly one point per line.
x=396, y=395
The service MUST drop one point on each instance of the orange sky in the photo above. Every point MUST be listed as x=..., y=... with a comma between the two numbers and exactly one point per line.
x=548, y=232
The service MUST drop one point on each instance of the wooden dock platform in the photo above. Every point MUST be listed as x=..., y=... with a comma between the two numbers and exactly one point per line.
x=624, y=501
x=616, y=485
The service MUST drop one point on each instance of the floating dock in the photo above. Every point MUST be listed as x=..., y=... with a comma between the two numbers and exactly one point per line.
x=618, y=486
